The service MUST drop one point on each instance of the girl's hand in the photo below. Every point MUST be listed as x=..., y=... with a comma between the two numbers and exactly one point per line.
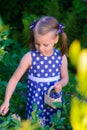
x=4, y=108
x=58, y=87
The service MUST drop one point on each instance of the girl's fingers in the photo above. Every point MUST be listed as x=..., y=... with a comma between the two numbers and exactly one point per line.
x=58, y=87
x=56, y=84
x=58, y=90
x=3, y=110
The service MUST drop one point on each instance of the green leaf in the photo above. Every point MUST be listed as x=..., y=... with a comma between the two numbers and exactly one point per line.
x=38, y=112
x=46, y=127
x=58, y=114
x=57, y=104
x=34, y=106
x=4, y=124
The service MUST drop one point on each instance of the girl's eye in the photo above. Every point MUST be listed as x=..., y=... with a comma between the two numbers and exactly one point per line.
x=40, y=44
x=45, y=45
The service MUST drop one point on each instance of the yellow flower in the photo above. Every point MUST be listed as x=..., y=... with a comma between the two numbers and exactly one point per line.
x=82, y=72
x=26, y=125
x=74, y=51
x=78, y=114
x=82, y=63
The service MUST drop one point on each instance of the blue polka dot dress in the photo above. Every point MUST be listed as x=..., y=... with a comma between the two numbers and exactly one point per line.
x=43, y=73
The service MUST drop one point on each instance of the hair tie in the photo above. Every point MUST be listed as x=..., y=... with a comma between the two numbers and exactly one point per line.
x=33, y=24
x=60, y=29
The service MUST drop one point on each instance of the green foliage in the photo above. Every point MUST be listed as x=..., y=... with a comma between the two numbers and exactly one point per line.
x=71, y=13
x=9, y=123
x=57, y=104
x=35, y=118
x=52, y=8
x=81, y=11
x=12, y=11
x=80, y=8
x=72, y=27
x=56, y=121
x=10, y=55
x=26, y=21
x=3, y=29
x=2, y=53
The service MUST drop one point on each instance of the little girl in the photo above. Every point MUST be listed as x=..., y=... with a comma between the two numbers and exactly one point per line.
x=46, y=67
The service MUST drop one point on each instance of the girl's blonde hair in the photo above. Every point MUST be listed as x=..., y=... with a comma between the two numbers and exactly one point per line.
x=43, y=26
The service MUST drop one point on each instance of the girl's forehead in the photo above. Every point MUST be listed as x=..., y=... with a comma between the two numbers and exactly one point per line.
x=49, y=36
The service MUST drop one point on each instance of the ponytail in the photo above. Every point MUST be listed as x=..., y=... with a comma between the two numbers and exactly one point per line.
x=63, y=43
x=31, y=41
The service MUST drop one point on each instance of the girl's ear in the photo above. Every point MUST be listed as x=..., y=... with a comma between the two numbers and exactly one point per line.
x=56, y=39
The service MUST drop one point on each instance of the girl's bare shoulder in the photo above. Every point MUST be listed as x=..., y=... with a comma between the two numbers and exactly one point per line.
x=64, y=58
x=26, y=59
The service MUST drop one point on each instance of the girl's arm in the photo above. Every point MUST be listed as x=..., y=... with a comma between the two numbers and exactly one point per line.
x=25, y=63
x=64, y=75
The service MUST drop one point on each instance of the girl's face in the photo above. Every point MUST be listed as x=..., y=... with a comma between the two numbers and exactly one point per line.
x=45, y=43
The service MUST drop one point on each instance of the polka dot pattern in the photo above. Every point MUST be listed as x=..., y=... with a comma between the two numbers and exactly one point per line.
x=42, y=67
